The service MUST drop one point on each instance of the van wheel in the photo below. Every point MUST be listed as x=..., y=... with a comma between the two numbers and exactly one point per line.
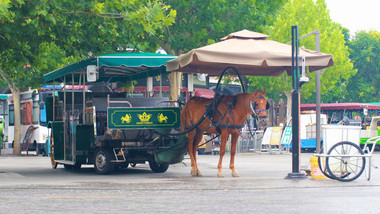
x=102, y=162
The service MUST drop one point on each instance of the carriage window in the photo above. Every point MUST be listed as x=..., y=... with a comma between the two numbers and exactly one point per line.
x=11, y=115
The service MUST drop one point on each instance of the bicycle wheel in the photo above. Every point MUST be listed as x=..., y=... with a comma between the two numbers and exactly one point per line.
x=345, y=161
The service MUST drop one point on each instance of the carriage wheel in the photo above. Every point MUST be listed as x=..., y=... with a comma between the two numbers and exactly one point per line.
x=54, y=164
x=343, y=167
x=77, y=166
x=158, y=168
x=102, y=163
x=67, y=166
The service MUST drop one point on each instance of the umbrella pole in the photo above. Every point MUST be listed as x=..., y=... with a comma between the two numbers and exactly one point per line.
x=295, y=174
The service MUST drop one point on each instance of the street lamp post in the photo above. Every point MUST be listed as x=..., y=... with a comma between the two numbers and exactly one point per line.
x=295, y=174
x=296, y=102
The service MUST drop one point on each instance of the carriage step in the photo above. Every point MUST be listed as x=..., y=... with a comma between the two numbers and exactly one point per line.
x=119, y=155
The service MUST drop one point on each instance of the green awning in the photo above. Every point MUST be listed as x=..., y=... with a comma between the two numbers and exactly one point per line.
x=3, y=97
x=120, y=67
x=72, y=68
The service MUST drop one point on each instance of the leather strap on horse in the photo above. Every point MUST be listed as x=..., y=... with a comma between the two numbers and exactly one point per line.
x=190, y=129
x=229, y=112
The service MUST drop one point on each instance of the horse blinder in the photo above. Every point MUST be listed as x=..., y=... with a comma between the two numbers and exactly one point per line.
x=254, y=105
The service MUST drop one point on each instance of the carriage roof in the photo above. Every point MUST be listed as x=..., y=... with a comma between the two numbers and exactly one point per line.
x=121, y=67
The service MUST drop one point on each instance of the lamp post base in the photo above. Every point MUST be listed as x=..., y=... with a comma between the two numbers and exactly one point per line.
x=296, y=175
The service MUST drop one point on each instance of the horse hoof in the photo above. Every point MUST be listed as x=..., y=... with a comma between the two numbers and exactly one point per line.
x=235, y=174
x=220, y=175
x=196, y=173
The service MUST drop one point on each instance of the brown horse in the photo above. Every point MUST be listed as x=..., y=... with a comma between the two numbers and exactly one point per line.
x=234, y=110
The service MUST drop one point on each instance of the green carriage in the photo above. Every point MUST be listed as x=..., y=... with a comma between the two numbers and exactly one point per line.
x=93, y=123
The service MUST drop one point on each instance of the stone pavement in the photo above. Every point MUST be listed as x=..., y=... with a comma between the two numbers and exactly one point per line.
x=30, y=185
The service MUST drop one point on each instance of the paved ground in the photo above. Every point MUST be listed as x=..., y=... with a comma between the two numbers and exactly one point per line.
x=30, y=185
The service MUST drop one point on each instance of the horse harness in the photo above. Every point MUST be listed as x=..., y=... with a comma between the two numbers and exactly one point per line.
x=210, y=109
x=228, y=112
x=256, y=112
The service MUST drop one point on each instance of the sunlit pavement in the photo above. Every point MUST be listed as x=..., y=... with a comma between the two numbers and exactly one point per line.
x=261, y=187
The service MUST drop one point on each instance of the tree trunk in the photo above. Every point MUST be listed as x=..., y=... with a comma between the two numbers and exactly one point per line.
x=288, y=106
x=174, y=77
x=17, y=115
x=173, y=95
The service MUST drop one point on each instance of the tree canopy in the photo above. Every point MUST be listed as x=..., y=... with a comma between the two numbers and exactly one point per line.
x=203, y=22
x=365, y=54
x=41, y=35
x=311, y=15
x=78, y=27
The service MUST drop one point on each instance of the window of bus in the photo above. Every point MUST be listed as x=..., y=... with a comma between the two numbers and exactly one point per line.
x=36, y=115
x=26, y=113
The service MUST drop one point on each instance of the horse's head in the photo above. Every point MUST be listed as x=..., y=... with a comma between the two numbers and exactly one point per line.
x=259, y=107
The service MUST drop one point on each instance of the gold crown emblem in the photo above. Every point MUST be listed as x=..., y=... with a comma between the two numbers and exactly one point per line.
x=144, y=117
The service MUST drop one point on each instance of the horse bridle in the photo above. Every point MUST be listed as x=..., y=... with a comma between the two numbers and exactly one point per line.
x=253, y=107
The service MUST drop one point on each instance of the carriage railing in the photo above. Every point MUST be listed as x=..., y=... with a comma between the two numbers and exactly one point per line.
x=71, y=120
x=109, y=102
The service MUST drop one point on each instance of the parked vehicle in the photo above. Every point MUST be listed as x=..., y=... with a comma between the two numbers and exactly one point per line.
x=370, y=130
x=308, y=133
x=33, y=132
x=111, y=129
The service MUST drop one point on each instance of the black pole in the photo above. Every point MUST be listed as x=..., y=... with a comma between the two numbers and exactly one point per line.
x=295, y=174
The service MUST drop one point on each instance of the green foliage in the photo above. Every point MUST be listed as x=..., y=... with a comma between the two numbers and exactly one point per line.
x=311, y=15
x=365, y=54
x=202, y=22
x=37, y=36
x=129, y=87
x=44, y=34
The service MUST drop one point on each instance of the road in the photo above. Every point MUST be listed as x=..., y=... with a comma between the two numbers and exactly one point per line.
x=30, y=185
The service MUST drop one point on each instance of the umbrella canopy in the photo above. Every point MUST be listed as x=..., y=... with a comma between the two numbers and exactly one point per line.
x=249, y=52
x=117, y=67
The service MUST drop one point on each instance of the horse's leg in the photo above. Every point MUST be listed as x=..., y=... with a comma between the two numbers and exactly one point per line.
x=197, y=139
x=190, y=145
x=223, y=141
x=234, y=138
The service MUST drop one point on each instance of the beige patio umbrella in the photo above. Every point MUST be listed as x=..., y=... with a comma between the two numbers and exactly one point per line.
x=253, y=54
x=250, y=53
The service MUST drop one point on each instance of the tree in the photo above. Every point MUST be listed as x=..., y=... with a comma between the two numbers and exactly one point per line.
x=310, y=15
x=40, y=35
x=202, y=22
x=365, y=54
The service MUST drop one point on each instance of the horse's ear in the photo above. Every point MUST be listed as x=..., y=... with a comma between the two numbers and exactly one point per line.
x=263, y=92
x=255, y=93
